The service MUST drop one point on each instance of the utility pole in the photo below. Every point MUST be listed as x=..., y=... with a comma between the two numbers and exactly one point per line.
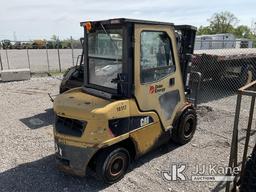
x=1, y=63
x=14, y=36
x=72, y=50
x=253, y=27
x=58, y=51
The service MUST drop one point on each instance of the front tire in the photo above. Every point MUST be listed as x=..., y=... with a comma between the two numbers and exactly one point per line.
x=185, y=128
x=112, y=164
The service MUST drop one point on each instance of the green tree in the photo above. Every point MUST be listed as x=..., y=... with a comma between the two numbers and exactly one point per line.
x=222, y=22
x=204, y=30
x=54, y=38
x=243, y=31
x=226, y=22
x=66, y=43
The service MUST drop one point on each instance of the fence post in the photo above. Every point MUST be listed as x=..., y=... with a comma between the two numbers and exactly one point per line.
x=72, y=49
x=47, y=58
x=1, y=63
x=58, y=50
x=29, y=66
x=234, y=143
x=7, y=59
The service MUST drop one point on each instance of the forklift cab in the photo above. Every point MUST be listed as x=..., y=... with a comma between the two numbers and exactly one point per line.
x=135, y=59
x=132, y=99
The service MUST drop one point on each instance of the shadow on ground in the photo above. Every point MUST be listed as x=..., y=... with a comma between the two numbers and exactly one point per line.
x=220, y=186
x=42, y=175
x=39, y=120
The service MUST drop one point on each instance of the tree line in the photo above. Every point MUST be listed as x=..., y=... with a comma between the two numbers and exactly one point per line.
x=227, y=22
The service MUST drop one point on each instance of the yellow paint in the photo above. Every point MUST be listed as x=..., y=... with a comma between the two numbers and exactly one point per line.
x=149, y=102
x=145, y=138
x=77, y=104
x=114, y=140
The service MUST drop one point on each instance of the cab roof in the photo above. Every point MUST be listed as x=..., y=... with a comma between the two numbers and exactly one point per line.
x=126, y=20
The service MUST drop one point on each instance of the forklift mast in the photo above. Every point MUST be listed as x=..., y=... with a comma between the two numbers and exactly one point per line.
x=185, y=35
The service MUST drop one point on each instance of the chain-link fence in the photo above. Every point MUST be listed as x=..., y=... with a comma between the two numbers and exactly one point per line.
x=224, y=66
x=38, y=56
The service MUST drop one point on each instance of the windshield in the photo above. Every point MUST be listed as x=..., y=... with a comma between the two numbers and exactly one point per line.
x=105, y=56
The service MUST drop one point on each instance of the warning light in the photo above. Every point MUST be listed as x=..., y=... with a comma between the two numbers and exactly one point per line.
x=88, y=26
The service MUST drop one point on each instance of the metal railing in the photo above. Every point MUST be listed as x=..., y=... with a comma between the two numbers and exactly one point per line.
x=248, y=90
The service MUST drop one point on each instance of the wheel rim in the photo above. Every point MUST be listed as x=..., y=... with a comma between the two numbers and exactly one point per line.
x=116, y=166
x=188, y=129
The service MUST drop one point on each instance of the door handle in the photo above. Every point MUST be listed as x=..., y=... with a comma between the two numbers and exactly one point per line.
x=171, y=81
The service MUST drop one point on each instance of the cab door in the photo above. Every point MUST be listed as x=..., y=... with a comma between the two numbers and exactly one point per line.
x=158, y=81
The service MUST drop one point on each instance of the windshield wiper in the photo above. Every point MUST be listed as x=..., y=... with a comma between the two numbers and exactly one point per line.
x=111, y=40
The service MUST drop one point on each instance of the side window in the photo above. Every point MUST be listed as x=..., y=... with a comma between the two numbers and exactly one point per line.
x=156, y=56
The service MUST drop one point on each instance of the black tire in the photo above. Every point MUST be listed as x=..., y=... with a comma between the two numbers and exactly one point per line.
x=63, y=89
x=112, y=164
x=248, y=179
x=185, y=127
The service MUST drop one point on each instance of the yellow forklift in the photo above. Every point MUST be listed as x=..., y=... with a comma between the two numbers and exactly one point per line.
x=133, y=98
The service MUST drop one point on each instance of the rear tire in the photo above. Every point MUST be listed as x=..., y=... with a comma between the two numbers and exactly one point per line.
x=185, y=128
x=112, y=164
x=248, y=179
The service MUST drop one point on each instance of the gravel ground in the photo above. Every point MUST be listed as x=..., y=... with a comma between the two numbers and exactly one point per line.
x=27, y=148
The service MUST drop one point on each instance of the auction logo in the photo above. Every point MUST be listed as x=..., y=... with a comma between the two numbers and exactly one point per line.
x=200, y=173
x=175, y=173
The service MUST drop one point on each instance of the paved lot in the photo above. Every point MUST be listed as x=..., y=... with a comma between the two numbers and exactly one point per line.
x=27, y=148
x=37, y=58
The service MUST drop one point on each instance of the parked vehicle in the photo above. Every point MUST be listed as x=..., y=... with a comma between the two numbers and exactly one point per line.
x=50, y=44
x=6, y=44
x=74, y=76
x=17, y=45
x=132, y=99
x=234, y=63
x=39, y=44
x=26, y=45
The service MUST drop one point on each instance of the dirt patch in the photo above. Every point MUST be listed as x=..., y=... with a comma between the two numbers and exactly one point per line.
x=203, y=110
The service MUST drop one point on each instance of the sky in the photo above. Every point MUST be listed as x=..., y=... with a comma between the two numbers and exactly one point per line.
x=34, y=19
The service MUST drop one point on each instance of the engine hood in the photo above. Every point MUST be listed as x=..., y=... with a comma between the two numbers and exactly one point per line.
x=78, y=105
